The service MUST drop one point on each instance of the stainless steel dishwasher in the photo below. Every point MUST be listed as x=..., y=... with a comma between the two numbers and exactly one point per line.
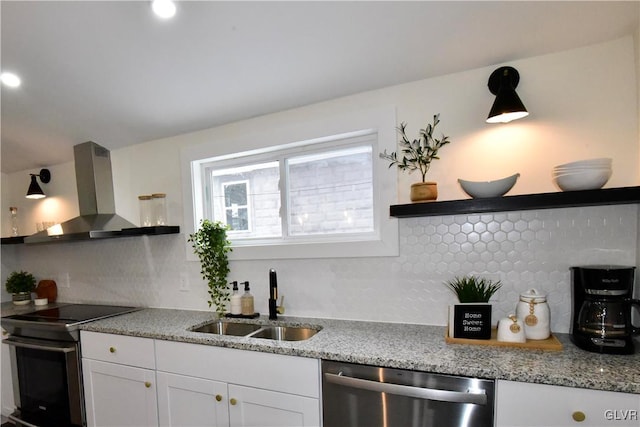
x=369, y=396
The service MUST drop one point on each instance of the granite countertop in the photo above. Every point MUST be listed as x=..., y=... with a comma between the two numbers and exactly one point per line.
x=415, y=347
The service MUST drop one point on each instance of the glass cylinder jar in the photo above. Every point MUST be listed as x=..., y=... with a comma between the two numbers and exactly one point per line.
x=159, y=208
x=146, y=211
x=14, y=221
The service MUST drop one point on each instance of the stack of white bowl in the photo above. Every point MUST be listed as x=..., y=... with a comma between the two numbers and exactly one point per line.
x=583, y=175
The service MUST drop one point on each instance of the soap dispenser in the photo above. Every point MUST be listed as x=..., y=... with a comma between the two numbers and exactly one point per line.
x=247, y=301
x=236, y=303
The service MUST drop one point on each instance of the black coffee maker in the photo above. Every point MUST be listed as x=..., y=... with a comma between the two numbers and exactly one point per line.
x=601, y=311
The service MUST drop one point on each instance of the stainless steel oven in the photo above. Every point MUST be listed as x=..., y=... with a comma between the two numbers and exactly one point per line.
x=359, y=395
x=46, y=363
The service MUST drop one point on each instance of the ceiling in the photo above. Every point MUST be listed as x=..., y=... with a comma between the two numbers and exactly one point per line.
x=113, y=73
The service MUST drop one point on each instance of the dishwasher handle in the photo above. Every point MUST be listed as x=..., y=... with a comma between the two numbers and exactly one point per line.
x=476, y=396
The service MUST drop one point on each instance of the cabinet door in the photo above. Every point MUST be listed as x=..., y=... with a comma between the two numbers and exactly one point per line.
x=8, y=405
x=191, y=402
x=535, y=405
x=252, y=407
x=119, y=395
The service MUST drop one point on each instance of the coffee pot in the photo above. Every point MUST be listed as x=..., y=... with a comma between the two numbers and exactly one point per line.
x=602, y=306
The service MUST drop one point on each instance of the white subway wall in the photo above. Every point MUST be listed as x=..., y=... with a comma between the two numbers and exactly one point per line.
x=531, y=249
x=595, y=116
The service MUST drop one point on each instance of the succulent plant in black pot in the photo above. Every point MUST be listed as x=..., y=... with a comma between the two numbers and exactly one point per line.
x=472, y=317
x=473, y=289
x=20, y=284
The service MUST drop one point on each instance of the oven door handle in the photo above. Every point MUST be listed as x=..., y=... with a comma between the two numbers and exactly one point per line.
x=475, y=396
x=20, y=421
x=36, y=345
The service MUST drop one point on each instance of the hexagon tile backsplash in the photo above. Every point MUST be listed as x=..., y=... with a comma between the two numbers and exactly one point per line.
x=524, y=249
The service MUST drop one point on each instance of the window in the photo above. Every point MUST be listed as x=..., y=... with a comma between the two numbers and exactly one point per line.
x=326, y=189
x=318, y=197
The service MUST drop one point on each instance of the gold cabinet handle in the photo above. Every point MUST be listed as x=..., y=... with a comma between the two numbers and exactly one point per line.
x=233, y=401
x=147, y=384
x=112, y=349
x=218, y=397
x=578, y=416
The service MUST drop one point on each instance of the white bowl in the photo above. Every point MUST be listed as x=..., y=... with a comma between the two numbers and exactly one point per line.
x=590, y=162
x=587, y=170
x=497, y=188
x=585, y=180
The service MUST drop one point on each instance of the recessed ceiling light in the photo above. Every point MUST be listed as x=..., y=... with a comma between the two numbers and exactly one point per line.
x=165, y=9
x=10, y=79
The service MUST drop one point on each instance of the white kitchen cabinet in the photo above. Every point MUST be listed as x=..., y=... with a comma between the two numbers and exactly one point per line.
x=119, y=395
x=258, y=389
x=119, y=380
x=265, y=408
x=187, y=401
x=535, y=405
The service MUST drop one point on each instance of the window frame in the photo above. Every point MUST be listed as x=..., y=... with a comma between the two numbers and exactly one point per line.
x=382, y=242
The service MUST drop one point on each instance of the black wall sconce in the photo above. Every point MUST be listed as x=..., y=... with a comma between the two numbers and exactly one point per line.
x=507, y=106
x=34, y=191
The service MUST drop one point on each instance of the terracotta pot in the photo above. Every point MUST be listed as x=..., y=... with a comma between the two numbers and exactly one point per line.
x=424, y=191
x=47, y=289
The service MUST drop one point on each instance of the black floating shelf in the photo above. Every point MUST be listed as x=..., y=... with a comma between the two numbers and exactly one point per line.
x=125, y=232
x=565, y=199
x=13, y=240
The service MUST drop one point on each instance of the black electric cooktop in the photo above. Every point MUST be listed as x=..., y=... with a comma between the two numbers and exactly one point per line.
x=60, y=322
x=73, y=313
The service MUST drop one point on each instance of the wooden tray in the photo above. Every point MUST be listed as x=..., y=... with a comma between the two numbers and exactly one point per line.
x=550, y=344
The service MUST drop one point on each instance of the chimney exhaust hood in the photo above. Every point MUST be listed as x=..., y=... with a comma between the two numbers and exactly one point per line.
x=97, y=219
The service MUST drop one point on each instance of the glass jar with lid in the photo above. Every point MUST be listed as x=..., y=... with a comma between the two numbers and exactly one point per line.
x=146, y=211
x=159, y=203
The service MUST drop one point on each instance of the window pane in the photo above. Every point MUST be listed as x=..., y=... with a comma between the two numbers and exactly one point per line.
x=331, y=192
x=247, y=198
x=236, y=205
x=235, y=194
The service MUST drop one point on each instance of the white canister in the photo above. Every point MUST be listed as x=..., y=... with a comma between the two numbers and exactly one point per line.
x=510, y=330
x=533, y=311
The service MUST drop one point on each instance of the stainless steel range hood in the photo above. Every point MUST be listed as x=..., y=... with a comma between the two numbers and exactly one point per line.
x=97, y=219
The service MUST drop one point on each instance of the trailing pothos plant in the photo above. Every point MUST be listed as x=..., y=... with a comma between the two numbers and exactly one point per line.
x=419, y=153
x=211, y=245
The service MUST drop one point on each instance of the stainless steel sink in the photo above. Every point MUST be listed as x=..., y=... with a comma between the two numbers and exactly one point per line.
x=284, y=333
x=222, y=327
x=253, y=330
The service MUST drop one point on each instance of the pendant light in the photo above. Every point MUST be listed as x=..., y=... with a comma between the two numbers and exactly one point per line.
x=507, y=105
x=34, y=191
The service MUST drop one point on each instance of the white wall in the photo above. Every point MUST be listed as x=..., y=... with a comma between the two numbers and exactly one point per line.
x=580, y=107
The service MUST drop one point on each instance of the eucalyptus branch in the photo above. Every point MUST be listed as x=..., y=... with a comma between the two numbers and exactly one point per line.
x=419, y=153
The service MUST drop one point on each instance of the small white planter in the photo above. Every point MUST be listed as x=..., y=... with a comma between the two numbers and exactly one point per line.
x=21, y=298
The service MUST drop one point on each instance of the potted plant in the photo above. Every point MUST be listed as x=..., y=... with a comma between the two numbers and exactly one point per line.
x=20, y=284
x=418, y=155
x=472, y=317
x=211, y=245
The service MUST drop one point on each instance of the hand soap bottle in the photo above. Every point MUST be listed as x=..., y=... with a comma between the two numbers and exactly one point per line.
x=236, y=304
x=247, y=301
